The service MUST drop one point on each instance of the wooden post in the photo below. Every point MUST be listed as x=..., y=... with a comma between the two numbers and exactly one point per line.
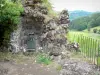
x=81, y=44
x=91, y=49
x=98, y=57
x=96, y=46
x=88, y=47
x=95, y=51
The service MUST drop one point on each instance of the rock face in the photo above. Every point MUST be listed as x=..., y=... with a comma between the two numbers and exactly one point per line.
x=55, y=34
x=39, y=31
x=74, y=67
x=15, y=39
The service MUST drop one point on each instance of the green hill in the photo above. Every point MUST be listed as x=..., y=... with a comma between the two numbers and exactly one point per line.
x=86, y=22
x=91, y=30
x=78, y=13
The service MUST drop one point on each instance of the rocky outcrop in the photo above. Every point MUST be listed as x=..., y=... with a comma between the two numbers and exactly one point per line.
x=75, y=67
x=55, y=34
x=28, y=34
x=15, y=39
x=39, y=31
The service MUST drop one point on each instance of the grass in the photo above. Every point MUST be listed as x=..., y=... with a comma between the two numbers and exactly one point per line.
x=92, y=35
x=20, y=57
x=91, y=30
x=8, y=56
x=88, y=42
x=43, y=58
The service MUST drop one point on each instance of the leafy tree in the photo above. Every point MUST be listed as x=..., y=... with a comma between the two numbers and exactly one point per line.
x=86, y=22
x=79, y=24
x=9, y=19
x=89, y=27
x=95, y=19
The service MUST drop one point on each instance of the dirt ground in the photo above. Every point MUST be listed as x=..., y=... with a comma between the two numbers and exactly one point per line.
x=26, y=68
x=27, y=65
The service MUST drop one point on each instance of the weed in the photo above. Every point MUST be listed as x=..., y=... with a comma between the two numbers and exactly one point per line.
x=43, y=58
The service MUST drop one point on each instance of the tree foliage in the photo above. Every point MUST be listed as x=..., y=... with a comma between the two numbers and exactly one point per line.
x=9, y=19
x=86, y=22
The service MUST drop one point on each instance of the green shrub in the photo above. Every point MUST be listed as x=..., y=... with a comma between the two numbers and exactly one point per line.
x=94, y=30
x=43, y=58
x=9, y=19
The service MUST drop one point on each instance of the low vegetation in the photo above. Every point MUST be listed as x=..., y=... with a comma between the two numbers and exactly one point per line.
x=43, y=58
x=8, y=56
x=48, y=4
x=9, y=19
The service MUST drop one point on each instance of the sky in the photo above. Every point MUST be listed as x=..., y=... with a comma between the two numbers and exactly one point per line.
x=71, y=5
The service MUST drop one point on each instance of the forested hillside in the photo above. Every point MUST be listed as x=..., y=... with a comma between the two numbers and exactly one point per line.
x=86, y=22
x=78, y=13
